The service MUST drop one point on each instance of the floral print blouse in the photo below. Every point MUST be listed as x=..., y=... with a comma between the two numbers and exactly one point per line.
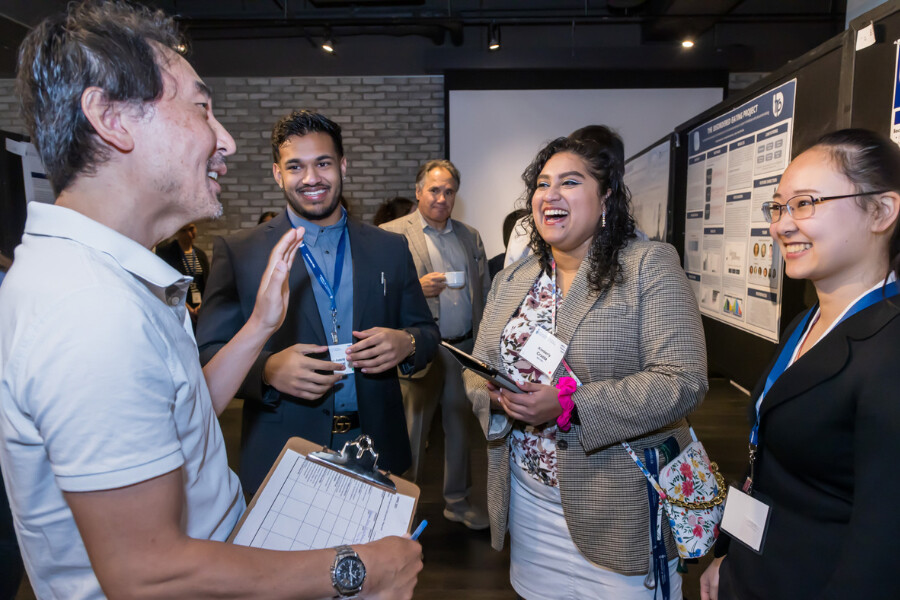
x=532, y=448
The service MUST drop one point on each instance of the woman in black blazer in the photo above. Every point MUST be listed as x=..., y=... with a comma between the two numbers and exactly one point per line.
x=829, y=404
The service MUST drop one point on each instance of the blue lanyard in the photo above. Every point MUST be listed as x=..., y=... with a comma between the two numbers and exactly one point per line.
x=660, y=570
x=330, y=290
x=784, y=358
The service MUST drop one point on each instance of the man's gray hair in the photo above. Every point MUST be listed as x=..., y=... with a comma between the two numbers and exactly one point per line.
x=441, y=163
x=104, y=44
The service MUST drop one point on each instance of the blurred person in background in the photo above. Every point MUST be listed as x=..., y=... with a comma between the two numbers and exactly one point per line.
x=394, y=208
x=181, y=254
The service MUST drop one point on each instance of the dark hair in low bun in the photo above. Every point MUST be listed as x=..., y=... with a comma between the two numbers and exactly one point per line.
x=871, y=162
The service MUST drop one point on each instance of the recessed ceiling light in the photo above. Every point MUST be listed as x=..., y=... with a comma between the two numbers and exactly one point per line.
x=687, y=44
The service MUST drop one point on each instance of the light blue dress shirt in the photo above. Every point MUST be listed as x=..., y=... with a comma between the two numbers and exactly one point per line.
x=447, y=254
x=322, y=243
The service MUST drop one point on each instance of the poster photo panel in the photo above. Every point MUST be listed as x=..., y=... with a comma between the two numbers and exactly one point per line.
x=735, y=162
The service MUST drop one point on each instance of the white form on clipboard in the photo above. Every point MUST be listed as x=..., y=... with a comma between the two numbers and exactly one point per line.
x=306, y=505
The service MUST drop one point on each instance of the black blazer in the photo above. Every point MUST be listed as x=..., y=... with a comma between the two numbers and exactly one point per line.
x=827, y=467
x=269, y=417
x=172, y=254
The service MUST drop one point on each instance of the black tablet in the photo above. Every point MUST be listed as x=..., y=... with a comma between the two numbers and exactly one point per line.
x=482, y=369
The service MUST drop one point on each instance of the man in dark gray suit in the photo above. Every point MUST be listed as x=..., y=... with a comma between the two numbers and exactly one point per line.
x=357, y=299
x=453, y=273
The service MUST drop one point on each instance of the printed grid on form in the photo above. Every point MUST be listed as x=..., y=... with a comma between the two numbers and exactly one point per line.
x=318, y=507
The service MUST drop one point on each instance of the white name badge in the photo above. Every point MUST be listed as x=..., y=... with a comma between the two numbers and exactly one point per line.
x=195, y=296
x=544, y=350
x=338, y=354
x=745, y=519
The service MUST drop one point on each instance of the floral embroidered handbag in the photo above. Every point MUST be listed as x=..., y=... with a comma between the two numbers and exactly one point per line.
x=692, y=492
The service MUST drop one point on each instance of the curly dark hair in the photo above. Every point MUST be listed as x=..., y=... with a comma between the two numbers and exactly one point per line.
x=94, y=43
x=608, y=169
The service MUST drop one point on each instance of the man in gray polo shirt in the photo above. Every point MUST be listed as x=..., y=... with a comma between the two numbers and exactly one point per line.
x=110, y=445
x=452, y=268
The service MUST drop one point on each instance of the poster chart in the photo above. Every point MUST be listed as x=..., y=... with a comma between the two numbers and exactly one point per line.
x=895, y=110
x=735, y=162
x=306, y=505
x=647, y=178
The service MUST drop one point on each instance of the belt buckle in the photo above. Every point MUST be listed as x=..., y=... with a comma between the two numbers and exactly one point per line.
x=341, y=424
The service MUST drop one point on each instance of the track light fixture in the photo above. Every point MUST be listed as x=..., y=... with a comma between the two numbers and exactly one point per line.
x=493, y=37
x=328, y=43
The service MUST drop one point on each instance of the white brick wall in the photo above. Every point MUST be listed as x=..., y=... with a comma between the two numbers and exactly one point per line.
x=9, y=108
x=390, y=126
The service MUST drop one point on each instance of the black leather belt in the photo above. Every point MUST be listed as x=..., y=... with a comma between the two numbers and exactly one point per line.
x=344, y=423
x=460, y=339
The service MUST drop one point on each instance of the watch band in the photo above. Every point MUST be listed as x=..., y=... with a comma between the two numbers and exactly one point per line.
x=344, y=553
x=412, y=340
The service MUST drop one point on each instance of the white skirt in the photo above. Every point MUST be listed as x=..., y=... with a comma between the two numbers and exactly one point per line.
x=544, y=562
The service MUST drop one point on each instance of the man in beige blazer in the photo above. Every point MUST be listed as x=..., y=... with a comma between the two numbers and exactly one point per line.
x=452, y=268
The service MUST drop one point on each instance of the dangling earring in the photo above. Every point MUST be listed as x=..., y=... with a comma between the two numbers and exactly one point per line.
x=603, y=219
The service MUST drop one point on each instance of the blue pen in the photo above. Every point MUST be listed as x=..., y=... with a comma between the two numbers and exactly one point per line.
x=419, y=530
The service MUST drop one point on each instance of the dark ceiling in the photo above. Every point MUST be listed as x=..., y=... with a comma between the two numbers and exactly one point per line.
x=411, y=37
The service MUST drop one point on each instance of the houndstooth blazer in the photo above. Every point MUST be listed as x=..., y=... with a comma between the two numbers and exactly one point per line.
x=640, y=353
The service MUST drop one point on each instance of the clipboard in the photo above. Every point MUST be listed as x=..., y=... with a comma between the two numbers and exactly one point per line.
x=482, y=369
x=315, y=498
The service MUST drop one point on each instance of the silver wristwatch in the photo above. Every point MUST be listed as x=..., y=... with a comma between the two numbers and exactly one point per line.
x=348, y=573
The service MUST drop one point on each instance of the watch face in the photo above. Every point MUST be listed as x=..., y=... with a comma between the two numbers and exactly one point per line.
x=349, y=573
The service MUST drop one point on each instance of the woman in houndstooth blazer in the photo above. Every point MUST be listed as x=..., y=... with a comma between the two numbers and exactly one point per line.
x=573, y=501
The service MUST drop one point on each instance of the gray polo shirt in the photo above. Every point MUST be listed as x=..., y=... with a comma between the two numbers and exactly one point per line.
x=100, y=388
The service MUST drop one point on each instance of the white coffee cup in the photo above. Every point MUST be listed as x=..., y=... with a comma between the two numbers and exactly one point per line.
x=455, y=279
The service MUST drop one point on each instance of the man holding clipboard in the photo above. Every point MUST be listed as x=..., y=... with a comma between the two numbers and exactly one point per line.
x=111, y=448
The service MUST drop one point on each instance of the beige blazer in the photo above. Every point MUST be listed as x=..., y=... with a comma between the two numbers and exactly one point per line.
x=640, y=353
x=478, y=279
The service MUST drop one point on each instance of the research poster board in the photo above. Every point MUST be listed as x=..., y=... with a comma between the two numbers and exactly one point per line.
x=735, y=162
x=647, y=178
x=895, y=111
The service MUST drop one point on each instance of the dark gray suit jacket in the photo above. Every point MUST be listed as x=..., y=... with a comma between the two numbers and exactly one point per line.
x=269, y=417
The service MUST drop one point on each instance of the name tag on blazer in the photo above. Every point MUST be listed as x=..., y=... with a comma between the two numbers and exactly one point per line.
x=544, y=350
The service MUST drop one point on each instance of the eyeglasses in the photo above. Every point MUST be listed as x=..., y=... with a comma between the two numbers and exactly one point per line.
x=803, y=206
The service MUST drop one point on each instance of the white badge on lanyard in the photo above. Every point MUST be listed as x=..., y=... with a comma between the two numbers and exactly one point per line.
x=338, y=353
x=745, y=519
x=544, y=350
x=195, y=296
